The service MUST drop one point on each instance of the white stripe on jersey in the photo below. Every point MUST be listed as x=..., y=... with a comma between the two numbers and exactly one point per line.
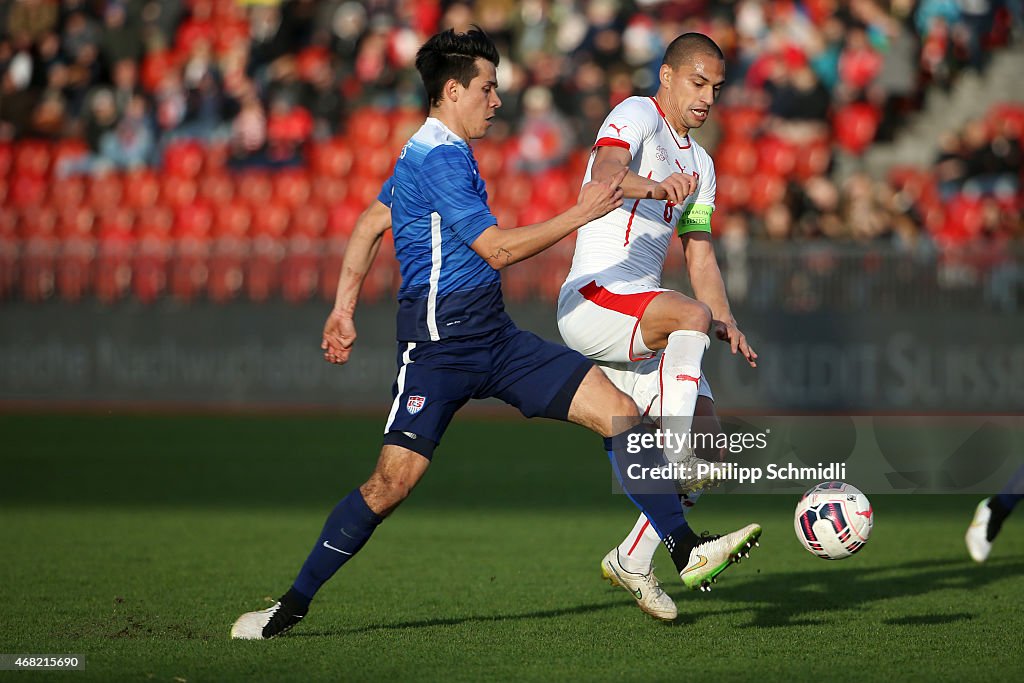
x=406, y=359
x=435, y=274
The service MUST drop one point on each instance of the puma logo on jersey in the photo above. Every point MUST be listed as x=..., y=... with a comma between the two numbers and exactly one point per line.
x=618, y=129
x=689, y=378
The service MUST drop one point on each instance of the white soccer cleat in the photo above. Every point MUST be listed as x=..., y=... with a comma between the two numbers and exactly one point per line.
x=264, y=624
x=976, y=538
x=644, y=588
x=714, y=555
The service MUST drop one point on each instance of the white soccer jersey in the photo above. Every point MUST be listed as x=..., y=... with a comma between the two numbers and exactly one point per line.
x=629, y=245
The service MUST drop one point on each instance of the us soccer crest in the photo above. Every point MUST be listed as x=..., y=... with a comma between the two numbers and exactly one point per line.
x=415, y=403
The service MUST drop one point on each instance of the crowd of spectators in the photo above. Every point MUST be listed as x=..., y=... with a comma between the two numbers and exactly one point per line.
x=119, y=85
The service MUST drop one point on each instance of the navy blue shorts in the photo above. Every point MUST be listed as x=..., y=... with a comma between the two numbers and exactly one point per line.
x=435, y=379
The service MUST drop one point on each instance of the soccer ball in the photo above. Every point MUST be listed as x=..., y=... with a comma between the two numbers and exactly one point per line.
x=833, y=520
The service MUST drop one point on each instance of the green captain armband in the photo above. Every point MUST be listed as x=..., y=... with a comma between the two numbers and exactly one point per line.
x=695, y=218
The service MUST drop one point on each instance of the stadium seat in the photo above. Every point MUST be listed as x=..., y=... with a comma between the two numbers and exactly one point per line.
x=332, y=159
x=775, y=156
x=37, y=267
x=188, y=269
x=113, y=264
x=75, y=220
x=341, y=219
x=740, y=122
x=179, y=192
x=141, y=189
x=733, y=191
x=553, y=191
x=300, y=270
x=67, y=192
x=736, y=157
x=217, y=188
x=328, y=192
x=764, y=192
x=105, y=192
x=854, y=126
x=368, y=129
x=9, y=249
x=193, y=220
x=74, y=268
x=254, y=187
x=27, y=191
x=6, y=159
x=813, y=159
x=149, y=266
x=183, y=159
x=309, y=221
x=375, y=164
x=262, y=268
x=270, y=221
x=292, y=188
x=231, y=220
x=31, y=159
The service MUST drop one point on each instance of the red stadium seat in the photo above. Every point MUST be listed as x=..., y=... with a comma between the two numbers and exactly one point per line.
x=149, y=266
x=6, y=158
x=8, y=252
x=740, y=122
x=270, y=221
x=179, y=192
x=31, y=159
x=854, y=126
x=733, y=191
x=38, y=221
x=333, y=254
x=368, y=129
x=217, y=188
x=75, y=267
x=330, y=159
x=300, y=270
x=141, y=189
x=375, y=164
x=813, y=159
x=232, y=219
x=75, y=220
x=262, y=268
x=764, y=192
x=292, y=188
x=255, y=188
x=309, y=221
x=227, y=258
x=113, y=268
x=736, y=157
x=67, y=192
x=553, y=190
x=193, y=220
x=775, y=157
x=341, y=219
x=490, y=159
x=38, y=267
x=27, y=191
x=105, y=192
x=183, y=159
x=188, y=268
x=328, y=192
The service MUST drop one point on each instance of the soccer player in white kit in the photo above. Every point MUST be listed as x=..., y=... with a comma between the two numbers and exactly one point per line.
x=612, y=308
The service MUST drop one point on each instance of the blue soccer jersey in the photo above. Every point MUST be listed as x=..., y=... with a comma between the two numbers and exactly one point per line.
x=438, y=209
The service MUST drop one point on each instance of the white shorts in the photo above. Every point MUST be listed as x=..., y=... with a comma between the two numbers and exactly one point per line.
x=603, y=322
x=639, y=380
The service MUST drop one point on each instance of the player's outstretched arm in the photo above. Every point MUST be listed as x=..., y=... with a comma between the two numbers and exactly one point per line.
x=363, y=245
x=609, y=161
x=502, y=247
x=709, y=288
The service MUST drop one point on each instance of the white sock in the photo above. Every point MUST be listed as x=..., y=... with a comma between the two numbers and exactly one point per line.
x=679, y=375
x=636, y=552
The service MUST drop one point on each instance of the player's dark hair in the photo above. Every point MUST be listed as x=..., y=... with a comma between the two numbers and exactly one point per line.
x=689, y=45
x=449, y=55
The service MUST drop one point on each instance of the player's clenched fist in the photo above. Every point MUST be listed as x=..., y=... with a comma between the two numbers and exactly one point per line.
x=598, y=198
x=676, y=188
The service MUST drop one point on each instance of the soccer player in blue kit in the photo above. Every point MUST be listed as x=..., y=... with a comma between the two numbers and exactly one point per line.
x=455, y=341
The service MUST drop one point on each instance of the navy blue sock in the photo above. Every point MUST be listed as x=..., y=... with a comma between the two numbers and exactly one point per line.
x=656, y=498
x=348, y=528
x=1012, y=492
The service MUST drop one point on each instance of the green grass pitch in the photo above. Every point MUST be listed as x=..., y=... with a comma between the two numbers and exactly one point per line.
x=137, y=540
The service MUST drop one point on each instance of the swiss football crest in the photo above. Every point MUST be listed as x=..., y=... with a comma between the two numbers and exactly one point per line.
x=661, y=154
x=415, y=404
